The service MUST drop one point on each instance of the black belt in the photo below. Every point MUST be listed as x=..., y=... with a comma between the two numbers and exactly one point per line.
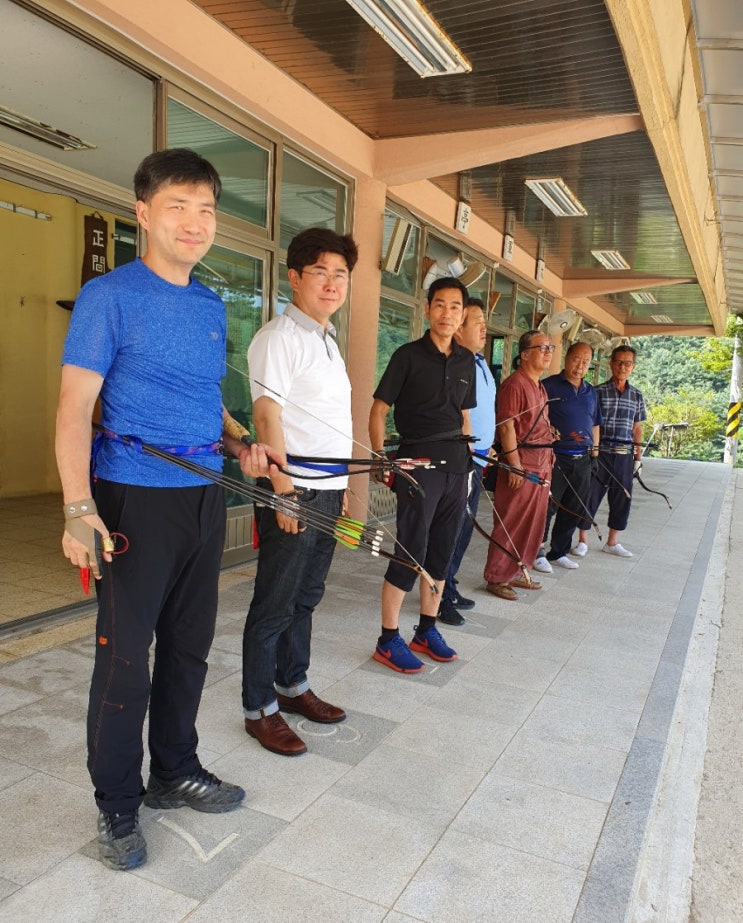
x=572, y=454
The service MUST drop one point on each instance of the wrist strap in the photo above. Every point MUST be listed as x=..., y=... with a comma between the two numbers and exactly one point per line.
x=79, y=508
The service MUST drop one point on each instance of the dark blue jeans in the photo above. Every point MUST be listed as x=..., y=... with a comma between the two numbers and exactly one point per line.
x=613, y=471
x=289, y=584
x=465, y=534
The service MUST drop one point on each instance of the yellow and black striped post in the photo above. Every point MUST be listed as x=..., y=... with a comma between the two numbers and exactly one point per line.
x=733, y=422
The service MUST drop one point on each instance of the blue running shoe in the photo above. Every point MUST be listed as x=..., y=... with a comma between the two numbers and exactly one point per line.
x=431, y=643
x=396, y=655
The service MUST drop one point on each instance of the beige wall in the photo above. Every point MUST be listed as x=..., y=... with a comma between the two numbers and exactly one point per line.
x=41, y=264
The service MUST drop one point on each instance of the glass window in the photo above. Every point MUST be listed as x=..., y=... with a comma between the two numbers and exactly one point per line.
x=310, y=198
x=495, y=358
x=524, y=319
x=405, y=239
x=125, y=242
x=238, y=280
x=394, y=330
x=243, y=166
x=502, y=300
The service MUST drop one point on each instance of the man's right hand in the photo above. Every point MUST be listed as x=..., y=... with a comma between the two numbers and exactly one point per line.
x=289, y=521
x=260, y=461
x=380, y=473
x=78, y=541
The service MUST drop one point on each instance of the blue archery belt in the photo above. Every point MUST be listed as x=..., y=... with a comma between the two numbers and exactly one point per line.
x=134, y=442
x=317, y=466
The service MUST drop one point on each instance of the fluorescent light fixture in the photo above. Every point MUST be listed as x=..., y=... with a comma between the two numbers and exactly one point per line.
x=42, y=132
x=644, y=297
x=611, y=259
x=559, y=198
x=662, y=318
x=412, y=32
x=397, y=246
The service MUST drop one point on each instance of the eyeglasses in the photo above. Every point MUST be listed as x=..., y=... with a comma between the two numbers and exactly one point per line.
x=544, y=348
x=627, y=365
x=320, y=275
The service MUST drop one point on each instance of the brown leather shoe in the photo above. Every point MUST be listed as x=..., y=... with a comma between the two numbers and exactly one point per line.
x=273, y=733
x=311, y=707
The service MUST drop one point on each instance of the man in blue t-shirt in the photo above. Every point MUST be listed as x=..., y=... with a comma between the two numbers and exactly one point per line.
x=149, y=341
x=472, y=335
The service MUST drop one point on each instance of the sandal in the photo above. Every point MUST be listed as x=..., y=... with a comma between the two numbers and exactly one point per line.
x=502, y=590
x=523, y=584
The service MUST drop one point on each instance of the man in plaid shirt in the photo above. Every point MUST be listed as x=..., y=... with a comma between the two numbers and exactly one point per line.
x=623, y=411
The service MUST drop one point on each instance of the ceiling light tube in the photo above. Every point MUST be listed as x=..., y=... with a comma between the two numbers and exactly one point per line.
x=644, y=297
x=42, y=132
x=413, y=33
x=611, y=259
x=559, y=198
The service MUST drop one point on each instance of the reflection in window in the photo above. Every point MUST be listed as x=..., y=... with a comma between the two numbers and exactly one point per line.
x=405, y=239
x=238, y=280
x=524, y=311
x=495, y=359
x=394, y=331
x=242, y=165
x=310, y=198
x=125, y=242
x=503, y=296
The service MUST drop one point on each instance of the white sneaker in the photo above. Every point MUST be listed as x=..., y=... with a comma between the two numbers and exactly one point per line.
x=618, y=550
x=580, y=550
x=565, y=562
x=542, y=565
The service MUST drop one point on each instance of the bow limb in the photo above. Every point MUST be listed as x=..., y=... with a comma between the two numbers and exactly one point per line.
x=412, y=563
x=614, y=478
x=515, y=557
x=649, y=490
x=587, y=517
x=419, y=569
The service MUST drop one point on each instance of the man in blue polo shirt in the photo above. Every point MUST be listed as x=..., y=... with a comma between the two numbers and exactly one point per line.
x=576, y=416
x=471, y=335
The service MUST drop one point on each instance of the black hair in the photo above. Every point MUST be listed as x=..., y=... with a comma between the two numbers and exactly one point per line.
x=446, y=282
x=473, y=302
x=306, y=247
x=176, y=165
x=524, y=343
x=623, y=349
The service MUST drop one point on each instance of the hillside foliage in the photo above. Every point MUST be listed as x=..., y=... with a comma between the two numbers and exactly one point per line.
x=686, y=386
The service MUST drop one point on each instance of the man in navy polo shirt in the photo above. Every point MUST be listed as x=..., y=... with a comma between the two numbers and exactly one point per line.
x=431, y=383
x=577, y=417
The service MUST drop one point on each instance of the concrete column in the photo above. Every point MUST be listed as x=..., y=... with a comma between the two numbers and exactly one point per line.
x=556, y=364
x=364, y=320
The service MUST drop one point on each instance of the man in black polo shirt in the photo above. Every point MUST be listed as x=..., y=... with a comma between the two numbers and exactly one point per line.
x=431, y=384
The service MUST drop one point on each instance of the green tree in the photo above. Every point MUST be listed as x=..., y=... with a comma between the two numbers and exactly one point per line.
x=682, y=384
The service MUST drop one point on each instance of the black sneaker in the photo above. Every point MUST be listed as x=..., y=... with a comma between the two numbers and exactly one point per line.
x=121, y=845
x=461, y=602
x=201, y=791
x=448, y=614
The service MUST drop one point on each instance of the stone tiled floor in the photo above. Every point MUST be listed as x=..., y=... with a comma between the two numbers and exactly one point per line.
x=34, y=576
x=512, y=785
